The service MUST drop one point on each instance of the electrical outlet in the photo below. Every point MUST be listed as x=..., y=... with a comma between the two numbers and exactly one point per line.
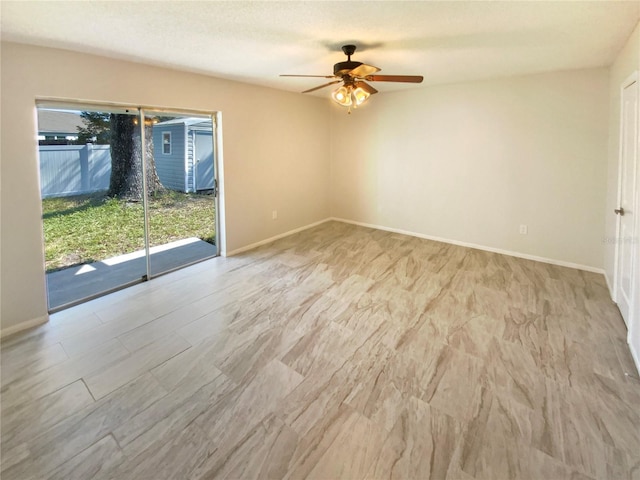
x=274, y=215
x=524, y=230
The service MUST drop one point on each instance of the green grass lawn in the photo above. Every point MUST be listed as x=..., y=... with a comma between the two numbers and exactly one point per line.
x=88, y=228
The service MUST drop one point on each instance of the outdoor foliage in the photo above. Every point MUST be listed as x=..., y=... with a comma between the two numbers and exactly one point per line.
x=88, y=228
x=97, y=130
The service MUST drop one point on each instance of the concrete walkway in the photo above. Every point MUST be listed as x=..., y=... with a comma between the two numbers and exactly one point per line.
x=71, y=285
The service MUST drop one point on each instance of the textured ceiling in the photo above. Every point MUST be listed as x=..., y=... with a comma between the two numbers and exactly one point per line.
x=254, y=41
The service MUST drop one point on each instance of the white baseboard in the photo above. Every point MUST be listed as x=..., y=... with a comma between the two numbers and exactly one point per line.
x=5, y=332
x=526, y=256
x=274, y=238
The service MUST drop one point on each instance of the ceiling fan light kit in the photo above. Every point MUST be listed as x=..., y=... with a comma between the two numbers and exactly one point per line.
x=347, y=96
x=354, y=91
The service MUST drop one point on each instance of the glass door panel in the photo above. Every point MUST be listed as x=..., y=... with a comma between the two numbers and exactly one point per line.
x=181, y=196
x=92, y=202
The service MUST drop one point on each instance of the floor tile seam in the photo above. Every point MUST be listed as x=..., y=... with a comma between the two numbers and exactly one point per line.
x=537, y=370
x=230, y=449
x=24, y=371
x=523, y=440
x=219, y=363
x=109, y=434
x=195, y=392
x=172, y=332
x=407, y=398
x=106, y=332
x=110, y=363
x=128, y=357
x=57, y=389
x=125, y=316
x=52, y=427
x=125, y=445
x=121, y=440
x=30, y=351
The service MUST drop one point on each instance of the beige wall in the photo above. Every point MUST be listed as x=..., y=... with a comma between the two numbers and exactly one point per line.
x=472, y=162
x=276, y=146
x=627, y=62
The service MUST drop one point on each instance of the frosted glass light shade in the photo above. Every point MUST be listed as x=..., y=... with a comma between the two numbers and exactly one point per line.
x=359, y=96
x=342, y=96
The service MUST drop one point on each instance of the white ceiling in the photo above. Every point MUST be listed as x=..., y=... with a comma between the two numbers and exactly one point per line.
x=253, y=42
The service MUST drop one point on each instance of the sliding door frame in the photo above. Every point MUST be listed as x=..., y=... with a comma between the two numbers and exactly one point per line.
x=214, y=117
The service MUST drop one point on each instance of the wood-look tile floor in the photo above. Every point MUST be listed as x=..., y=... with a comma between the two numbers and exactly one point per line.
x=338, y=352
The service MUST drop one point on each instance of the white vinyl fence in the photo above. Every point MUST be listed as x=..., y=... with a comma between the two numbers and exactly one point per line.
x=74, y=169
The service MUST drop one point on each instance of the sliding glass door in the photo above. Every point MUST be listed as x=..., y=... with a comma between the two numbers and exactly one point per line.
x=181, y=201
x=127, y=194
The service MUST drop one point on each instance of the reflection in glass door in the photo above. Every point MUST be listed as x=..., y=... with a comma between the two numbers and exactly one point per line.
x=181, y=211
x=127, y=195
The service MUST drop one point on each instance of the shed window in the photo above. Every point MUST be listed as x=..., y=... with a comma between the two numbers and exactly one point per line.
x=166, y=143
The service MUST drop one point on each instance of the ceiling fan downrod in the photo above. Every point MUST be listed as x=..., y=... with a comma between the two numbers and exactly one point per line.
x=348, y=51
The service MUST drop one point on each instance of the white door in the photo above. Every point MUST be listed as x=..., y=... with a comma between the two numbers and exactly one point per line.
x=204, y=160
x=627, y=192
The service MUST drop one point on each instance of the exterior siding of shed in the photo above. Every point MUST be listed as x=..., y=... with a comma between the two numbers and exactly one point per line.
x=177, y=171
x=189, y=163
x=170, y=167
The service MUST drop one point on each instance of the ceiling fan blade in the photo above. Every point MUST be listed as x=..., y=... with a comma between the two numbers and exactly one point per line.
x=363, y=70
x=395, y=78
x=366, y=87
x=321, y=86
x=314, y=76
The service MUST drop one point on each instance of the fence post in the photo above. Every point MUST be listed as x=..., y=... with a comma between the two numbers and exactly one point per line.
x=85, y=155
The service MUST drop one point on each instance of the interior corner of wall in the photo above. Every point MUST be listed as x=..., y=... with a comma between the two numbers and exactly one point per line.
x=13, y=329
x=609, y=283
x=635, y=354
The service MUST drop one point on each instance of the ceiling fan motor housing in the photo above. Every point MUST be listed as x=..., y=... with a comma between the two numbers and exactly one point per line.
x=342, y=68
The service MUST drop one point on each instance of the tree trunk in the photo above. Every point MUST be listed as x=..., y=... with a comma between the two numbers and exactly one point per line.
x=126, y=159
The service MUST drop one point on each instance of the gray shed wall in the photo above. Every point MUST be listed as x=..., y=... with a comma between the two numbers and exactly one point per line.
x=170, y=168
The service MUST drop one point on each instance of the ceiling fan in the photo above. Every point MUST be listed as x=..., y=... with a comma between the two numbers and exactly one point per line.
x=354, y=91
